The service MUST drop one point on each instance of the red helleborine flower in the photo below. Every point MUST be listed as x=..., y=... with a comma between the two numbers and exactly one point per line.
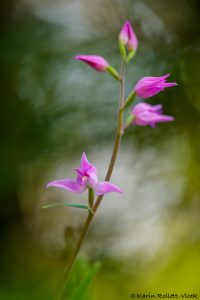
x=86, y=178
x=146, y=114
x=147, y=87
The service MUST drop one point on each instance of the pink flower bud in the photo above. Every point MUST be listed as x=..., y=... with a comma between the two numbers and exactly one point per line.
x=97, y=62
x=147, y=87
x=146, y=114
x=127, y=37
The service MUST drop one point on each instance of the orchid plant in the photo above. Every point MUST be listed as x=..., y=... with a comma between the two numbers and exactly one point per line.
x=140, y=114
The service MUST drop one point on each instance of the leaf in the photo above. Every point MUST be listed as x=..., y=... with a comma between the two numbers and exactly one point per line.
x=80, y=291
x=65, y=204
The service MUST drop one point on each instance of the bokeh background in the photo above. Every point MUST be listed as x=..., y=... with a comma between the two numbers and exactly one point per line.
x=53, y=108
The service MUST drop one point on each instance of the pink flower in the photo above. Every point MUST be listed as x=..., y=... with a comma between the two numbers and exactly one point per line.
x=97, y=62
x=146, y=114
x=127, y=37
x=86, y=178
x=147, y=87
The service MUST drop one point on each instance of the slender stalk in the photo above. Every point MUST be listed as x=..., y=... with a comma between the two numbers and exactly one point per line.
x=118, y=133
x=90, y=200
x=118, y=136
x=73, y=258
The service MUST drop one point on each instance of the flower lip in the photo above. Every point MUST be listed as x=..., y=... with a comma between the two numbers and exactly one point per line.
x=83, y=172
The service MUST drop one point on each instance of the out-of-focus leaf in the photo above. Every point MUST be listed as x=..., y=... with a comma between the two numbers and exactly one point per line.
x=80, y=292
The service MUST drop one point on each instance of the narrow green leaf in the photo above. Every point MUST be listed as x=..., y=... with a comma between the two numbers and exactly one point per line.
x=65, y=204
x=80, y=292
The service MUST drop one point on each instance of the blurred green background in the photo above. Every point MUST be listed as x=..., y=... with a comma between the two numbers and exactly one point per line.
x=53, y=108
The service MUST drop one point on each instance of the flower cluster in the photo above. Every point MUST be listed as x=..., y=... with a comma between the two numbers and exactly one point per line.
x=146, y=87
x=141, y=114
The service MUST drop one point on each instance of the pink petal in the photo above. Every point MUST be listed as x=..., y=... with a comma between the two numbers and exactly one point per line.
x=148, y=92
x=150, y=118
x=132, y=42
x=85, y=164
x=92, y=179
x=141, y=107
x=79, y=171
x=156, y=108
x=81, y=180
x=68, y=184
x=124, y=34
x=169, y=84
x=153, y=79
x=106, y=187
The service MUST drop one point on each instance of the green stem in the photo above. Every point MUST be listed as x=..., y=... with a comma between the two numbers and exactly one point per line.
x=90, y=200
x=118, y=136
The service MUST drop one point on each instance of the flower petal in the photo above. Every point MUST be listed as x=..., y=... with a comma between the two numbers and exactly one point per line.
x=92, y=178
x=169, y=84
x=141, y=107
x=105, y=187
x=85, y=164
x=150, y=118
x=132, y=42
x=68, y=184
x=124, y=34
